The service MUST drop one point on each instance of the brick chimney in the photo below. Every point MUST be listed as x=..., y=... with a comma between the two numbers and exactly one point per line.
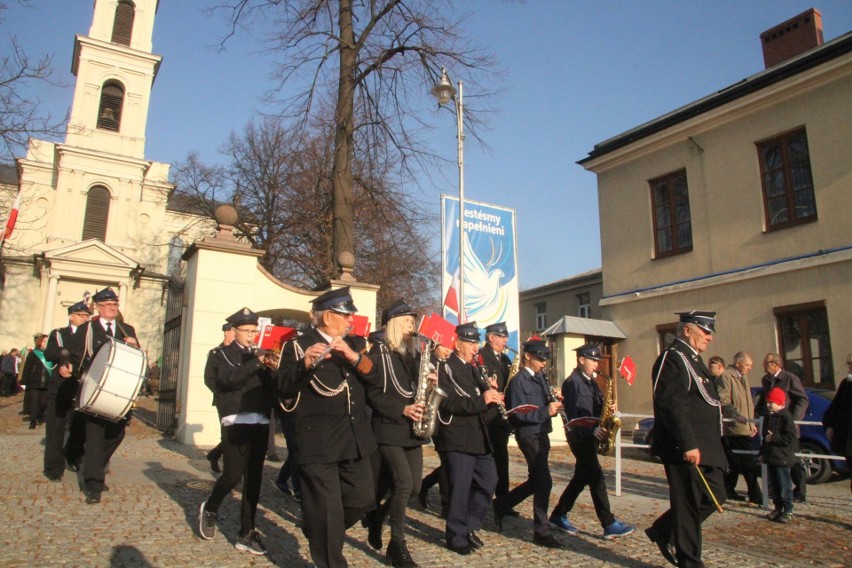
x=791, y=38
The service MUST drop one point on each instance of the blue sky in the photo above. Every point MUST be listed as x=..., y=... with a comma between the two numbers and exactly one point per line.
x=576, y=73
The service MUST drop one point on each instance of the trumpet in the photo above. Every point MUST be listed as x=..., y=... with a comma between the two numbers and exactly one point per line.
x=327, y=350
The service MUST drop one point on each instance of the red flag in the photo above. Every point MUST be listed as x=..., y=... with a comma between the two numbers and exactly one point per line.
x=627, y=369
x=13, y=216
x=451, y=301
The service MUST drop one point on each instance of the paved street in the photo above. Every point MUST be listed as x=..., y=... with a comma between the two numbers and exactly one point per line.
x=148, y=517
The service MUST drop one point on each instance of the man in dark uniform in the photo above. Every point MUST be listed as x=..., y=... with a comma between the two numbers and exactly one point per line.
x=210, y=382
x=102, y=436
x=242, y=386
x=496, y=364
x=530, y=386
x=325, y=377
x=582, y=398
x=60, y=398
x=462, y=440
x=688, y=438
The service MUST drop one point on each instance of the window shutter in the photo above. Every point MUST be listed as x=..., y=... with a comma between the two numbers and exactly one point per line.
x=109, y=112
x=122, y=27
x=97, y=214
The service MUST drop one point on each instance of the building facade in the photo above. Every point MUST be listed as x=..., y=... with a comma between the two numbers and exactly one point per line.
x=738, y=203
x=544, y=305
x=94, y=212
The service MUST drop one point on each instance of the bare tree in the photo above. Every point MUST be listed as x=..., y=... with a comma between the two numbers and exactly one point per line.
x=20, y=115
x=375, y=59
x=280, y=181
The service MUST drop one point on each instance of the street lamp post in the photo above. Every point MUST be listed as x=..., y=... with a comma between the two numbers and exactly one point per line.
x=444, y=92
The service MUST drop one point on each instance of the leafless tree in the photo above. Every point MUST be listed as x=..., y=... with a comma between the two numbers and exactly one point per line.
x=20, y=115
x=280, y=181
x=375, y=59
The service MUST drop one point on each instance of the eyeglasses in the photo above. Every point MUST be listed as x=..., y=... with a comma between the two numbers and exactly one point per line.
x=248, y=331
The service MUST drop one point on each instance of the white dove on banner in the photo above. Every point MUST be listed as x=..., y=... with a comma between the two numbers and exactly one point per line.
x=484, y=298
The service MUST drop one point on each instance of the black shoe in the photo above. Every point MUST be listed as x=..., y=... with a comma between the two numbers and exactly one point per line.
x=498, y=517
x=398, y=555
x=374, y=530
x=462, y=550
x=547, y=541
x=423, y=497
x=474, y=541
x=733, y=496
x=54, y=478
x=206, y=522
x=511, y=513
x=72, y=465
x=272, y=457
x=214, y=464
x=32, y=425
x=93, y=497
x=799, y=497
x=666, y=549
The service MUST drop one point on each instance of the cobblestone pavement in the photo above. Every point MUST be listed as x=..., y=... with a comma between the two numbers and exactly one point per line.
x=148, y=517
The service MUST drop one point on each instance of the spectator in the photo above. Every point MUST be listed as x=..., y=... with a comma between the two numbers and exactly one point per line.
x=717, y=366
x=9, y=371
x=36, y=375
x=737, y=403
x=838, y=417
x=777, y=451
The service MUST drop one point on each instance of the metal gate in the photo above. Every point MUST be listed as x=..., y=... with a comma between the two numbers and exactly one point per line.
x=167, y=408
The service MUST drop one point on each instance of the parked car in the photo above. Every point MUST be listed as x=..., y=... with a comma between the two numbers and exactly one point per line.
x=812, y=438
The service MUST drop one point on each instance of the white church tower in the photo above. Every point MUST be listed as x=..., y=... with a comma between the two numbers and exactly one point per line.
x=94, y=210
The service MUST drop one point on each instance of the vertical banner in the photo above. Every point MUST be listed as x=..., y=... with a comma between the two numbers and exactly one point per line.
x=490, y=265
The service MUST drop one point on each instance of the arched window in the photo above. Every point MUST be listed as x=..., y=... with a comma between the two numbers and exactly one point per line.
x=112, y=101
x=97, y=213
x=122, y=27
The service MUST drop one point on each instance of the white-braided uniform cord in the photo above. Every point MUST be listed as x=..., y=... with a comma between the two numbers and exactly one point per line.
x=699, y=382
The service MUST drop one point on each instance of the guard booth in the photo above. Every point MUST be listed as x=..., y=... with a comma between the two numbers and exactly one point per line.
x=222, y=276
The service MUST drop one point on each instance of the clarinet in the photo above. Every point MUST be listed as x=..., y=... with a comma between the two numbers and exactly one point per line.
x=562, y=414
x=486, y=385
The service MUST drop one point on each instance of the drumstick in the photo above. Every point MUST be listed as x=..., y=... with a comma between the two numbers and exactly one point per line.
x=710, y=491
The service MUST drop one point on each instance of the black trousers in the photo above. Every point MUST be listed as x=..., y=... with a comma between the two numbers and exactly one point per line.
x=38, y=404
x=56, y=420
x=290, y=469
x=472, y=479
x=741, y=464
x=536, y=450
x=499, y=432
x=405, y=466
x=587, y=472
x=243, y=449
x=75, y=446
x=691, y=505
x=335, y=496
x=102, y=439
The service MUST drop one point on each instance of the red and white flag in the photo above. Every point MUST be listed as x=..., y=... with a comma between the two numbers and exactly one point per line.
x=13, y=216
x=627, y=369
x=451, y=300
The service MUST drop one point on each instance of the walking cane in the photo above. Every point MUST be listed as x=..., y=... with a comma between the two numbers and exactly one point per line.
x=710, y=491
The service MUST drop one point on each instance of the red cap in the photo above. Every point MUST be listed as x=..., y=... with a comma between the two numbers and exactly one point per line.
x=777, y=396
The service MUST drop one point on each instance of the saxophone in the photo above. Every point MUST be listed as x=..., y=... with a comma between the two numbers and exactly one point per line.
x=609, y=422
x=428, y=396
x=516, y=365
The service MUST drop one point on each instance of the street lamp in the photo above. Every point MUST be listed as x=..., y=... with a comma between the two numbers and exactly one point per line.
x=443, y=92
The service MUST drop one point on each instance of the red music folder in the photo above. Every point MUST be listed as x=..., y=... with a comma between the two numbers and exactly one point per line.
x=273, y=337
x=360, y=325
x=438, y=330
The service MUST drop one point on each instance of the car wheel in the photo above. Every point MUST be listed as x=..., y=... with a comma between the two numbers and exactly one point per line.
x=818, y=470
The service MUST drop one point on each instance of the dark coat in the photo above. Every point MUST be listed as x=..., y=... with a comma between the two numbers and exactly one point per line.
x=76, y=345
x=838, y=416
x=781, y=448
x=210, y=371
x=328, y=429
x=64, y=390
x=499, y=365
x=797, y=398
x=581, y=397
x=35, y=375
x=463, y=419
x=241, y=383
x=526, y=388
x=683, y=419
x=390, y=427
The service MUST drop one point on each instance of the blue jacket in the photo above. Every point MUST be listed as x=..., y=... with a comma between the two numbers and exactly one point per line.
x=526, y=388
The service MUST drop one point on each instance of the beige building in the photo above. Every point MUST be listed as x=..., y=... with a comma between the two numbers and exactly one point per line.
x=739, y=203
x=94, y=212
x=577, y=295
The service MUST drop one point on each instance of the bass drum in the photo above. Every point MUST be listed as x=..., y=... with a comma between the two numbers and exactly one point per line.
x=111, y=384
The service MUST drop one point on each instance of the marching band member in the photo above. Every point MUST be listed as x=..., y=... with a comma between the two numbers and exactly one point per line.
x=582, y=397
x=102, y=436
x=438, y=475
x=530, y=386
x=393, y=414
x=462, y=440
x=60, y=399
x=687, y=436
x=326, y=377
x=498, y=365
x=243, y=390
